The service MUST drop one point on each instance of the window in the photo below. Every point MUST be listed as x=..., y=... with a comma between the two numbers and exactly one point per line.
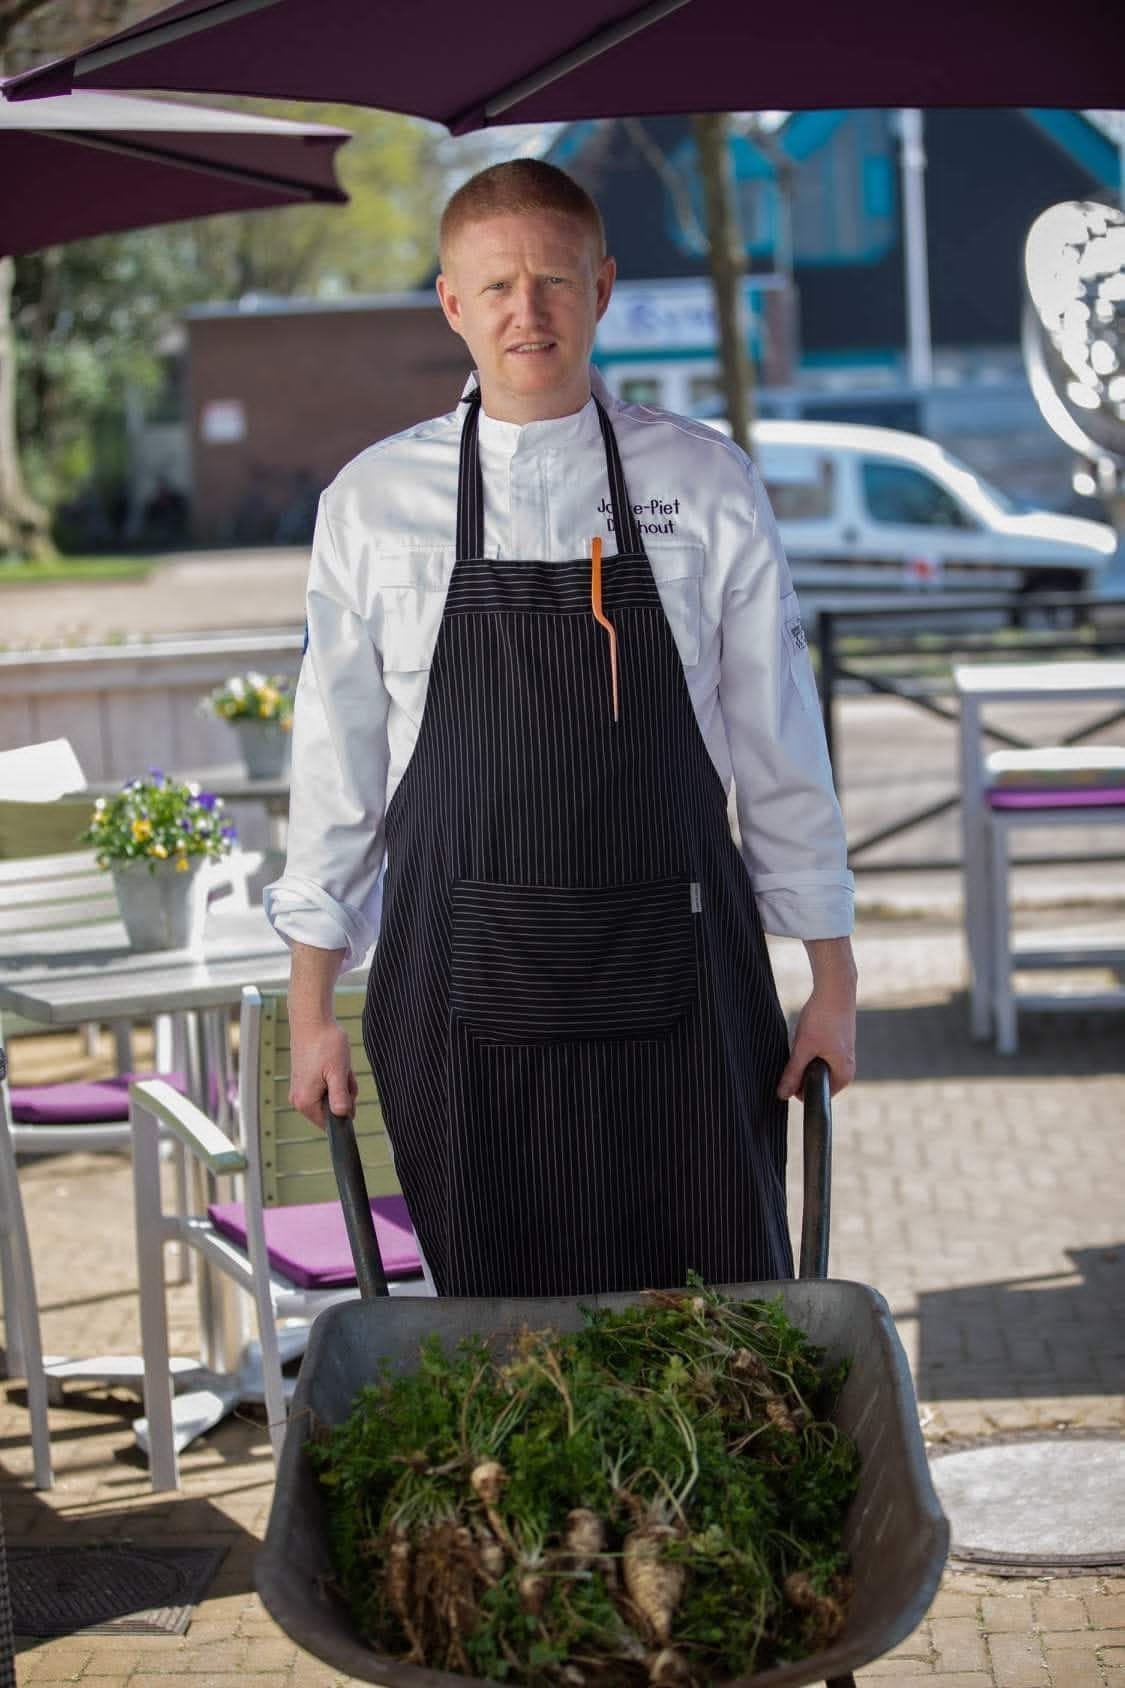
x=702, y=389
x=805, y=499
x=642, y=390
x=894, y=492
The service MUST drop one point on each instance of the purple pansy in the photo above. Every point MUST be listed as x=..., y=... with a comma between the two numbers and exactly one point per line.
x=206, y=800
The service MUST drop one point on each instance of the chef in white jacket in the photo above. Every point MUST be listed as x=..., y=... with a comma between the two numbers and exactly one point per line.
x=546, y=632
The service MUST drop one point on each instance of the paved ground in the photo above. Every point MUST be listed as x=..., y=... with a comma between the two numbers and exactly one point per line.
x=981, y=1195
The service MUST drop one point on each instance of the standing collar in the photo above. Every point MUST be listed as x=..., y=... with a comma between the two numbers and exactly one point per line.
x=581, y=427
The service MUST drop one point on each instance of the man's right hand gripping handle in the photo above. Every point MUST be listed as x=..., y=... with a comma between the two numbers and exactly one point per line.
x=321, y=1063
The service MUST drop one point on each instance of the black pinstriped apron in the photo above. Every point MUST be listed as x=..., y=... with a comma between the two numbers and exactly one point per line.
x=571, y=1016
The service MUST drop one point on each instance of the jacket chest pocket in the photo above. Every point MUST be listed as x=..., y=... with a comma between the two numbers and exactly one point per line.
x=411, y=602
x=678, y=572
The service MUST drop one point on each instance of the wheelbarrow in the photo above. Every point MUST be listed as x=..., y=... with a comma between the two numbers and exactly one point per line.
x=895, y=1533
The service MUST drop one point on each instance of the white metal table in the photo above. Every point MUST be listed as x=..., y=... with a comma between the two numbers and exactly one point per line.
x=978, y=685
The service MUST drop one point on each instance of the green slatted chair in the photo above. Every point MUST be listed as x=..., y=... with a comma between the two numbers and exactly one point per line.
x=284, y=1244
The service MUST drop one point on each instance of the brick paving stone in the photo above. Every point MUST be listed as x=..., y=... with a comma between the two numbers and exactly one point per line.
x=1054, y=1611
x=1107, y=1611
x=958, y=1645
x=1074, y=1670
x=957, y=1193
x=1017, y=1661
x=998, y=1614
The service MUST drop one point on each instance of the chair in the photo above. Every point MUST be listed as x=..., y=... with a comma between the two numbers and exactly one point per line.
x=1072, y=785
x=21, y=1308
x=285, y=1246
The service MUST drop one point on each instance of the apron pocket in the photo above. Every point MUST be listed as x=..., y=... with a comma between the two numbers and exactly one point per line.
x=564, y=964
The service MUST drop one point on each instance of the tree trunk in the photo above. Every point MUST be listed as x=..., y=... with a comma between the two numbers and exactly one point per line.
x=23, y=524
x=728, y=267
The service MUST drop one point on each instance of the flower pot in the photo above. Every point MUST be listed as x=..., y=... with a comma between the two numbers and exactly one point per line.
x=264, y=746
x=162, y=909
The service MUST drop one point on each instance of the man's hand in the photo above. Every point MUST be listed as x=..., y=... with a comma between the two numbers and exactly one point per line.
x=826, y=1026
x=321, y=1068
x=321, y=1056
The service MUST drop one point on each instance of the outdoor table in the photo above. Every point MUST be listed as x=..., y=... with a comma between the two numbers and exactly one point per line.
x=977, y=685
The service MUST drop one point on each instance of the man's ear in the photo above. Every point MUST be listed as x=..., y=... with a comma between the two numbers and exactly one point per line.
x=450, y=304
x=607, y=274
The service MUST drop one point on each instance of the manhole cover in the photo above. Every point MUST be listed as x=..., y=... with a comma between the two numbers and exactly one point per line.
x=1041, y=1501
x=104, y=1589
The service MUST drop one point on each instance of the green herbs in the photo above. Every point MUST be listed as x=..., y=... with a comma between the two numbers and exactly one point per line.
x=657, y=1498
x=159, y=819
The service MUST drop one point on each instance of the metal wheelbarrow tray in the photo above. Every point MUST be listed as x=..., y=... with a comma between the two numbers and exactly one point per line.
x=895, y=1533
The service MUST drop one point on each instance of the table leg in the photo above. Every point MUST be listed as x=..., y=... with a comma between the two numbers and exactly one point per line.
x=1003, y=1000
x=975, y=870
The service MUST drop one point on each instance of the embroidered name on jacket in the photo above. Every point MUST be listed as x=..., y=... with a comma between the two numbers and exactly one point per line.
x=653, y=517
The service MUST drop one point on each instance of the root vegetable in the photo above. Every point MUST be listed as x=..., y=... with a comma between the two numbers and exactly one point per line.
x=488, y=1479
x=669, y=1669
x=778, y=1413
x=399, y=1567
x=492, y=1556
x=654, y=1583
x=585, y=1536
x=533, y=1592
x=827, y=1612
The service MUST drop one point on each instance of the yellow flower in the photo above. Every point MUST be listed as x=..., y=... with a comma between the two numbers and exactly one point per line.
x=182, y=864
x=142, y=829
x=160, y=850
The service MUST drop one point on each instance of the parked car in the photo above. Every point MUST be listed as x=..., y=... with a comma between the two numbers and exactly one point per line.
x=866, y=511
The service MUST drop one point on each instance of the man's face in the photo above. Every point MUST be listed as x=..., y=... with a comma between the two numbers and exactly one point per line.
x=525, y=293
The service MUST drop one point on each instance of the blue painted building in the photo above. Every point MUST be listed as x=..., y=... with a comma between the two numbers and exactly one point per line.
x=989, y=173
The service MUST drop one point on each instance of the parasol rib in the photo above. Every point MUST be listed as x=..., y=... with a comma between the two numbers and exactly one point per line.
x=161, y=35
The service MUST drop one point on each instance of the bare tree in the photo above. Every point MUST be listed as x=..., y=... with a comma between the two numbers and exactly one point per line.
x=727, y=256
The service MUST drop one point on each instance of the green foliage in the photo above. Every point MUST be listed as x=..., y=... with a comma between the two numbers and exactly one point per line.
x=96, y=319
x=693, y=1421
x=156, y=819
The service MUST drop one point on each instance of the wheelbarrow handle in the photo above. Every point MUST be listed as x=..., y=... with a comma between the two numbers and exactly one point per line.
x=372, y=1280
x=352, y=1185
x=816, y=1210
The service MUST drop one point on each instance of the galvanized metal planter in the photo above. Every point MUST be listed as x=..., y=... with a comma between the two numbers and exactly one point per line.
x=264, y=747
x=162, y=909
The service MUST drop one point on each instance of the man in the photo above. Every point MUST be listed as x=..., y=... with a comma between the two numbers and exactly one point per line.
x=544, y=631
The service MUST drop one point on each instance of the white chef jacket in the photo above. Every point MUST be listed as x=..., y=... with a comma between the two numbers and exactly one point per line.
x=382, y=558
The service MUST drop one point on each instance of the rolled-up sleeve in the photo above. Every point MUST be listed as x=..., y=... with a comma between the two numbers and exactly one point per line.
x=792, y=832
x=330, y=893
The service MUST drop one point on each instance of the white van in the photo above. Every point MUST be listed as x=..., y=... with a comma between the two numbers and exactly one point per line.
x=871, y=510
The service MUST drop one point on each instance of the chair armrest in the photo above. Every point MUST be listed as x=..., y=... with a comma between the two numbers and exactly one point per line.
x=189, y=1123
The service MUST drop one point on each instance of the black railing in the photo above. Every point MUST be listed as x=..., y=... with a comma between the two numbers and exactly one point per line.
x=917, y=651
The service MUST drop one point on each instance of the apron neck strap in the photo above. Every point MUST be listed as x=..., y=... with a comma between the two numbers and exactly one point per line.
x=470, y=487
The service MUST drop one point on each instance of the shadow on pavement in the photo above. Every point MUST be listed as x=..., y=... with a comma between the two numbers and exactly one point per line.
x=1052, y=1335
x=931, y=1041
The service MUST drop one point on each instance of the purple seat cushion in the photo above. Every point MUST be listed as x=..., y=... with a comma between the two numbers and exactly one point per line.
x=91, y=1101
x=1085, y=797
x=309, y=1244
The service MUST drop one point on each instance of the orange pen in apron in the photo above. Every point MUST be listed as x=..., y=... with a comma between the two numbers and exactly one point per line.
x=600, y=616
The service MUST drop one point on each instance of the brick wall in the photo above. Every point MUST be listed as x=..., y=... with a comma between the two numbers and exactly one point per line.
x=314, y=388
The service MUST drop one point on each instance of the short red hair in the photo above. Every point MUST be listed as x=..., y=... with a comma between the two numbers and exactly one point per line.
x=522, y=184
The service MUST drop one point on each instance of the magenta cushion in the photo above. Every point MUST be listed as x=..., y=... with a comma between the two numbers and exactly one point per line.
x=92, y=1101
x=309, y=1244
x=1100, y=797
